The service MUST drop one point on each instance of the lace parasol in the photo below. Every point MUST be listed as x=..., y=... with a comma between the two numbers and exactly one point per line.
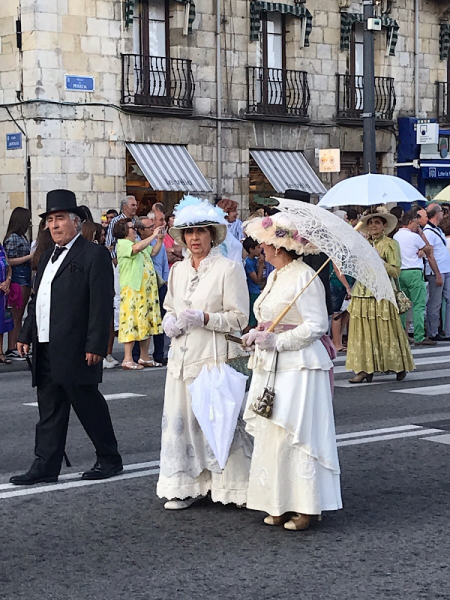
x=347, y=248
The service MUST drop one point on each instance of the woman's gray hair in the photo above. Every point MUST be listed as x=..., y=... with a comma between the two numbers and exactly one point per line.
x=76, y=218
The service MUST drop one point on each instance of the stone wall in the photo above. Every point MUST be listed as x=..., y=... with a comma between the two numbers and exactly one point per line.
x=77, y=140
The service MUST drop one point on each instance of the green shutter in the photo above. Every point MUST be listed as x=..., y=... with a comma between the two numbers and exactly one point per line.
x=444, y=42
x=349, y=19
x=129, y=11
x=258, y=6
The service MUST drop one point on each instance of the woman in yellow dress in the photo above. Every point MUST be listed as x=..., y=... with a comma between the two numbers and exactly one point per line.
x=140, y=313
x=377, y=341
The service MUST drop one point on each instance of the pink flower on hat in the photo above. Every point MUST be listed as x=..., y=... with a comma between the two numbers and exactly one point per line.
x=267, y=222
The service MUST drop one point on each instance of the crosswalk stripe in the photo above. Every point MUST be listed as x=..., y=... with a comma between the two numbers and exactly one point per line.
x=383, y=438
x=414, y=376
x=372, y=432
x=429, y=390
x=429, y=360
x=415, y=351
x=121, y=396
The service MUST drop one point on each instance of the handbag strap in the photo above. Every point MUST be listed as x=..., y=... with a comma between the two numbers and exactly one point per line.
x=274, y=371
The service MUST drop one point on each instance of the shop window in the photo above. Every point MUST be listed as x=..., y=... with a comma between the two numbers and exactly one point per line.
x=272, y=55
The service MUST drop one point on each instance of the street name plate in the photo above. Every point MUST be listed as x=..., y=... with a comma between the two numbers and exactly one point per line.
x=77, y=83
x=13, y=141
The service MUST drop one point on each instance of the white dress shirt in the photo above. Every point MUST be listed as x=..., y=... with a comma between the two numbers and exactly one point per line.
x=436, y=238
x=44, y=295
x=410, y=243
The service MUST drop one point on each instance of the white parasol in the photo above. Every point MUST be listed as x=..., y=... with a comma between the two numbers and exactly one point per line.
x=347, y=248
x=371, y=189
x=217, y=397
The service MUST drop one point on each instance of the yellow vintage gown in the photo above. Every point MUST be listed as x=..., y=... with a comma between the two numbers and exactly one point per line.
x=377, y=341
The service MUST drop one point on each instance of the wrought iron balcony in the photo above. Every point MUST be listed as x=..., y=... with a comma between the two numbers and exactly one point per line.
x=277, y=94
x=157, y=84
x=442, y=102
x=350, y=99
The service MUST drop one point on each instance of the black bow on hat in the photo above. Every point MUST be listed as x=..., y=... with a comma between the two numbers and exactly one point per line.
x=62, y=200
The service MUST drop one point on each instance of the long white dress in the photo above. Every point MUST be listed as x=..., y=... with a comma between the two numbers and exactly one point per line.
x=295, y=466
x=188, y=466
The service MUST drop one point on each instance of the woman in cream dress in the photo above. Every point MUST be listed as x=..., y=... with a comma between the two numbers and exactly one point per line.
x=206, y=293
x=295, y=468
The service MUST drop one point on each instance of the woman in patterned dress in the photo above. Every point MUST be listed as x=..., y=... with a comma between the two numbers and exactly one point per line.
x=140, y=313
x=294, y=473
x=377, y=341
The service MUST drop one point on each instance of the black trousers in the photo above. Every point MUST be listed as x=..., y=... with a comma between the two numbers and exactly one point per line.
x=158, y=340
x=54, y=402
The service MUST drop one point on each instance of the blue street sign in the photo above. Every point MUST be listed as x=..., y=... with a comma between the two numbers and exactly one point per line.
x=13, y=141
x=74, y=83
x=437, y=172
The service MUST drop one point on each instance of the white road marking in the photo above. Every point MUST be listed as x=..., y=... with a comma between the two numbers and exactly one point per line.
x=74, y=484
x=415, y=376
x=440, y=439
x=372, y=432
x=415, y=351
x=429, y=390
x=122, y=396
x=393, y=436
x=429, y=360
x=70, y=476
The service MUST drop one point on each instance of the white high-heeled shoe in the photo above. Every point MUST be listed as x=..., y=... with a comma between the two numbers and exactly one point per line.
x=181, y=504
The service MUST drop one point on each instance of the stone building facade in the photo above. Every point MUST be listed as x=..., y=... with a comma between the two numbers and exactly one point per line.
x=153, y=64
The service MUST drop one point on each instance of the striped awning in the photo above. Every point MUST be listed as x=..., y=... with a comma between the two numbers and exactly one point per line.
x=288, y=171
x=258, y=6
x=349, y=19
x=169, y=168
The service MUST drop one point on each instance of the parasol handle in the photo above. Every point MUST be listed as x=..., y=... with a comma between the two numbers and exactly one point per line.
x=291, y=304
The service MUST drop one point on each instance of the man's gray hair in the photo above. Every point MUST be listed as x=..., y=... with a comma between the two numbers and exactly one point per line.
x=433, y=210
x=139, y=224
x=151, y=215
x=76, y=218
x=158, y=206
x=125, y=202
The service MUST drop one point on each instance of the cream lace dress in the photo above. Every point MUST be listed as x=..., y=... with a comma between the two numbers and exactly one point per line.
x=188, y=466
x=295, y=465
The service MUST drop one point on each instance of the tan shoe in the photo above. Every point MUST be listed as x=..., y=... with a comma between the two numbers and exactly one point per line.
x=298, y=523
x=281, y=520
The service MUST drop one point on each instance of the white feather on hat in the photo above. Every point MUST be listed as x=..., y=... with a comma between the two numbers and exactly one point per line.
x=195, y=212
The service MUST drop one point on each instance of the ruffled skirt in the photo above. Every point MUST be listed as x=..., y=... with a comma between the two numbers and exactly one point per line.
x=188, y=465
x=377, y=341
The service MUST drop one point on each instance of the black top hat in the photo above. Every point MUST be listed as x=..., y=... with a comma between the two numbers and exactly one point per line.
x=62, y=200
x=297, y=195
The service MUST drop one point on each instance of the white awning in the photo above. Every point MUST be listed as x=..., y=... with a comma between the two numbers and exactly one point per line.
x=168, y=167
x=288, y=171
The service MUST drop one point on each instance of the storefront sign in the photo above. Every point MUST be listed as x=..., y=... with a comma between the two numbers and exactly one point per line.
x=330, y=160
x=13, y=141
x=74, y=83
x=441, y=172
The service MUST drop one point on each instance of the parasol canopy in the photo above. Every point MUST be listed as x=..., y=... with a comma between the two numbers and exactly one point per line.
x=371, y=189
x=443, y=196
x=347, y=248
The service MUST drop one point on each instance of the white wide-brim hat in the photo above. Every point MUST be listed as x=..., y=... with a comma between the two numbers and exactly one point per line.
x=195, y=212
x=383, y=213
x=278, y=230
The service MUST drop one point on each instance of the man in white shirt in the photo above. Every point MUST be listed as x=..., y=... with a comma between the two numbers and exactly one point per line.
x=68, y=325
x=439, y=282
x=412, y=282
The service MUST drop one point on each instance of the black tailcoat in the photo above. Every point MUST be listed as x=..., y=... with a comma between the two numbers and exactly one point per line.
x=81, y=311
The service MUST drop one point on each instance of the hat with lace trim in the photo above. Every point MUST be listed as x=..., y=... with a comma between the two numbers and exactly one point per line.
x=195, y=212
x=279, y=231
x=382, y=212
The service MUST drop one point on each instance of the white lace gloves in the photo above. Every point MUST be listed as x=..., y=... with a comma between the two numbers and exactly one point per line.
x=170, y=326
x=263, y=339
x=189, y=318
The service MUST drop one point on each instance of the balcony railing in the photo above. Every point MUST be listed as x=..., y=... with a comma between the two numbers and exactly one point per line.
x=154, y=82
x=277, y=93
x=442, y=102
x=350, y=98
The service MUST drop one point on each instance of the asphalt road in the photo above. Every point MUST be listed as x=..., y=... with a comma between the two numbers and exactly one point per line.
x=114, y=540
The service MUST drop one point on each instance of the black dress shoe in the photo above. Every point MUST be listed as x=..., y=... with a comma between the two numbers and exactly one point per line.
x=440, y=338
x=99, y=471
x=31, y=478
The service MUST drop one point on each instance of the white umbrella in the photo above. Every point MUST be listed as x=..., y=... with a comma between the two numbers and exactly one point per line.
x=367, y=190
x=347, y=248
x=217, y=397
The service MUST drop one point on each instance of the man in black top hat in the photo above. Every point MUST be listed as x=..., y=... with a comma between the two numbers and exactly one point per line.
x=68, y=325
